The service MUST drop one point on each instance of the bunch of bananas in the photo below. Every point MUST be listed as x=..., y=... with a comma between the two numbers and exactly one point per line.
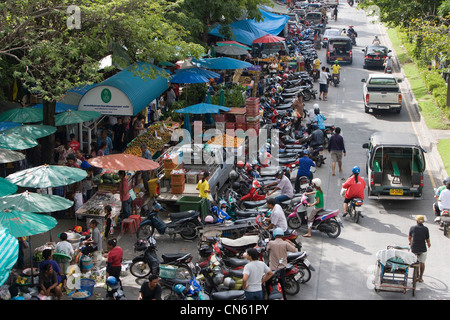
x=21, y=280
x=155, y=138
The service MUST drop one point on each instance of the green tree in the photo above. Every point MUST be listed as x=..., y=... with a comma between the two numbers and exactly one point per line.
x=56, y=44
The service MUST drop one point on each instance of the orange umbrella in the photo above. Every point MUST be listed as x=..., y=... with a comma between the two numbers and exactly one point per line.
x=123, y=161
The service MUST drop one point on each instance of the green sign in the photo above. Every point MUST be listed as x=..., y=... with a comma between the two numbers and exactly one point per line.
x=106, y=95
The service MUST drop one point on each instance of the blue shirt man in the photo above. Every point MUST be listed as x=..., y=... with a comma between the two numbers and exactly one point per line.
x=320, y=118
x=304, y=169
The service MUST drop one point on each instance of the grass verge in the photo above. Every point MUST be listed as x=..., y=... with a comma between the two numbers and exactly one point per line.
x=444, y=149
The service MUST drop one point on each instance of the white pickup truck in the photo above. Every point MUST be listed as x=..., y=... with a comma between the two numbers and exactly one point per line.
x=381, y=91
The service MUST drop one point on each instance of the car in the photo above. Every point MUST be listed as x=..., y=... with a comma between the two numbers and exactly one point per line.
x=329, y=33
x=374, y=56
x=301, y=13
x=381, y=91
x=313, y=17
x=293, y=17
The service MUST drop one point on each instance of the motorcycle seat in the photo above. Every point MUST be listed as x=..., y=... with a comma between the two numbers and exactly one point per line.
x=240, y=242
x=239, y=273
x=295, y=255
x=228, y=295
x=287, y=161
x=284, y=106
x=183, y=214
x=235, y=262
x=254, y=204
x=246, y=214
x=169, y=257
x=289, y=232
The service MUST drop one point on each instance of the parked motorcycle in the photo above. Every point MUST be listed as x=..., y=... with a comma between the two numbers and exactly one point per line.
x=327, y=221
x=184, y=223
x=299, y=259
x=148, y=262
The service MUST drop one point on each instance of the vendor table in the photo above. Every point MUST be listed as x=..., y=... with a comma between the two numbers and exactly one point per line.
x=94, y=207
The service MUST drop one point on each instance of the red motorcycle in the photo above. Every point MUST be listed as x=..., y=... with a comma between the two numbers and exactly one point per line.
x=256, y=193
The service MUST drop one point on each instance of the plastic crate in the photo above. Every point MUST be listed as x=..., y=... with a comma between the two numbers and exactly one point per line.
x=230, y=125
x=177, y=179
x=242, y=126
x=252, y=101
x=168, y=271
x=240, y=118
x=177, y=189
x=252, y=110
x=187, y=203
x=192, y=177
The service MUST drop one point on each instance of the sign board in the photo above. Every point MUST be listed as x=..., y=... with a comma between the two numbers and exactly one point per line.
x=107, y=100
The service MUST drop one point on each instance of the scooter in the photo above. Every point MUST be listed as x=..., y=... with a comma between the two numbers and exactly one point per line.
x=354, y=209
x=185, y=223
x=148, y=262
x=335, y=79
x=327, y=221
x=299, y=259
x=316, y=155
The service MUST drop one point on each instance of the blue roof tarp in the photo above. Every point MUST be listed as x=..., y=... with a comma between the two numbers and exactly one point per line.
x=245, y=31
x=203, y=108
x=223, y=63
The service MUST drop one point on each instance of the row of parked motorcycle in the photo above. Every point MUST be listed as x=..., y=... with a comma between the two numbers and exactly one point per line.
x=242, y=209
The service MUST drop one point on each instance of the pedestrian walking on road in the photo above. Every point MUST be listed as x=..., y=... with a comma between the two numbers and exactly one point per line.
x=323, y=85
x=419, y=239
x=336, y=147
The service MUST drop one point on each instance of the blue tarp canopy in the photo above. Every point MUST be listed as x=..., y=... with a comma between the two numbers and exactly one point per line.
x=203, y=108
x=245, y=31
x=223, y=63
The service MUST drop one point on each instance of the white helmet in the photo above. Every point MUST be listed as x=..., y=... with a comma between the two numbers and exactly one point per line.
x=317, y=182
x=315, y=105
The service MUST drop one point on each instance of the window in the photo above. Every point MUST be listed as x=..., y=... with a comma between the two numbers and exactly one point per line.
x=383, y=81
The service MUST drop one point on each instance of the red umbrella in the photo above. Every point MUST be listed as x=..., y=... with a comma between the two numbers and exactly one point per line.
x=268, y=38
x=123, y=161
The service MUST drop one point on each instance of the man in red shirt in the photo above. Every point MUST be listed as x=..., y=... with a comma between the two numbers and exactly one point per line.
x=355, y=186
x=124, y=194
x=75, y=145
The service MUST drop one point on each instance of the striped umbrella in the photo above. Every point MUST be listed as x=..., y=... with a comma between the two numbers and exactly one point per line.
x=9, y=252
x=6, y=187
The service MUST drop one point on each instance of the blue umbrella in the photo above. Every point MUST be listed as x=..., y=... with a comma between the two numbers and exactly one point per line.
x=203, y=72
x=222, y=63
x=8, y=124
x=203, y=108
x=59, y=108
x=9, y=252
x=188, y=77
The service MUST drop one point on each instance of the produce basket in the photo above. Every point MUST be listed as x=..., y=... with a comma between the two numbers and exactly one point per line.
x=80, y=294
x=168, y=271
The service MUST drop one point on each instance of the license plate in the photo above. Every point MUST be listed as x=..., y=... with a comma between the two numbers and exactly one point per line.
x=383, y=107
x=307, y=263
x=377, y=58
x=340, y=59
x=396, y=192
x=297, y=276
x=191, y=265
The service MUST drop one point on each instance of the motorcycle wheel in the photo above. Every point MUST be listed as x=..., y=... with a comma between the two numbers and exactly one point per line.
x=336, y=229
x=306, y=273
x=319, y=162
x=292, y=287
x=145, y=232
x=294, y=222
x=140, y=269
x=326, y=141
x=306, y=95
x=189, y=231
x=354, y=214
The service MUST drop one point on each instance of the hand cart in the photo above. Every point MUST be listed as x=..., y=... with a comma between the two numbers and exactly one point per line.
x=397, y=270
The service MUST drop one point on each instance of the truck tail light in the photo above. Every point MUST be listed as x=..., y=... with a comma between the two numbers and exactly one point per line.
x=421, y=179
x=367, y=98
x=366, y=57
x=372, y=177
x=399, y=98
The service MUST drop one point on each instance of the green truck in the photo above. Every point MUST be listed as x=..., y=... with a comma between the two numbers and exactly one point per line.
x=395, y=166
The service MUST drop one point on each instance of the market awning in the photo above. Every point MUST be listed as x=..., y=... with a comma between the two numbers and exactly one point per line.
x=203, y=108
x=126, y=93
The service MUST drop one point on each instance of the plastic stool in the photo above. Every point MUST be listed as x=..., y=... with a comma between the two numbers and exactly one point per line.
x=137, y=220
x=128, y=224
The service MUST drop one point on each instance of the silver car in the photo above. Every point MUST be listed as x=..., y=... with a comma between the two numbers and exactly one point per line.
x=329, y=33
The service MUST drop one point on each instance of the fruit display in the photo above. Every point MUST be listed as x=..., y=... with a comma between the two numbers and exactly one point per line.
x=227, y=141
x=107, y=177
x=156, y=136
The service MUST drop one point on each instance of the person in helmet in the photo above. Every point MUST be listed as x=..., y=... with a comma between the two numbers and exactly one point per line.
x=284, y=185
x=388, y=63
x=354, y=186
x=376, y=41
x=319, y=119
x=318, y=203
x=316, y=138
x=304, y=169
x=240, y=164
x=150, y=290
x=336, y=69
x=438, y=191
x=278, y=249
x=444, y=199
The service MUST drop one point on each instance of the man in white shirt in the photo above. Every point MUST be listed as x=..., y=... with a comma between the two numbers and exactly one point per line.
x=254, y=275
x=323, y=85
x=277, y=217
x=444, y=198
x=64, y=246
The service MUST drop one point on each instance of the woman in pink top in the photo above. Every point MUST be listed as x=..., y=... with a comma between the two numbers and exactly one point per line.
x=124, y=194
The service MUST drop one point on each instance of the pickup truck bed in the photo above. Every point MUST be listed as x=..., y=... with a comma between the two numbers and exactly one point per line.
x=382, y=92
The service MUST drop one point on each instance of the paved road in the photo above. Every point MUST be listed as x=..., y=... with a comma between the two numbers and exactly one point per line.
x=344, y=266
